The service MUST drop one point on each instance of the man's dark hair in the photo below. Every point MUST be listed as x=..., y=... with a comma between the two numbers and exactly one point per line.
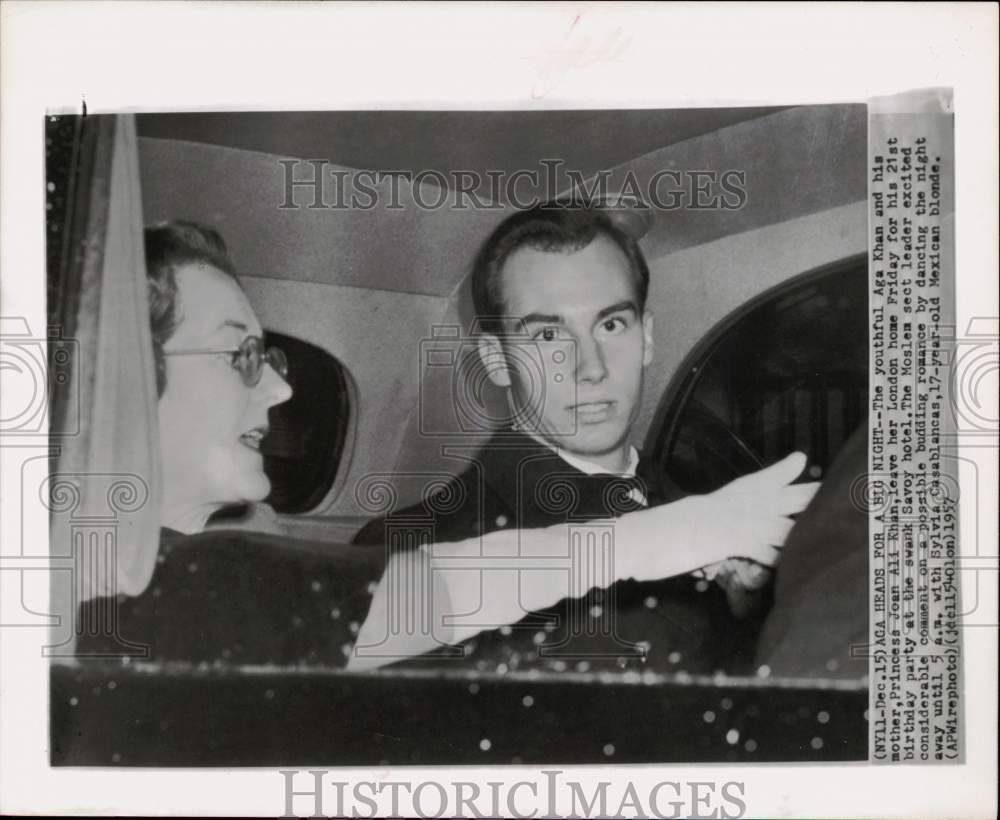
x=169, y=246
x=550, y=227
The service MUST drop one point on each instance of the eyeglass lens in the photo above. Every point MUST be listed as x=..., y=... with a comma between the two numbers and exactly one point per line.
x=251, y=357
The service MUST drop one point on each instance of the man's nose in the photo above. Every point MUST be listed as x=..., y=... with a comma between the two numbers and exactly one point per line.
x=590, y=365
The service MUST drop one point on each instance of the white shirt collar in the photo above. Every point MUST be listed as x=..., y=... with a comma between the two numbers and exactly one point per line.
x=589, y=467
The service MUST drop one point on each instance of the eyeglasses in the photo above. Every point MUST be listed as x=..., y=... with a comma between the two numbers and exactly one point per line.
x=248, y=359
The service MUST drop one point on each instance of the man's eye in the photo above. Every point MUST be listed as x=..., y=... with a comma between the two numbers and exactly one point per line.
x=615, y=324
x=547, y=334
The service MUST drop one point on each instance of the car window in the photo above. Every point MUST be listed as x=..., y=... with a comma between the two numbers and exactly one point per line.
x=308, y=433
x=787, y=372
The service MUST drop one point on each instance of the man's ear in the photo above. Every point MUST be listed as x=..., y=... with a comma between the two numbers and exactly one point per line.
x=647, y=337
x=493, y=359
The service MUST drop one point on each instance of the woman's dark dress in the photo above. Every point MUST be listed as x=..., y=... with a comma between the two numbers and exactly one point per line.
x=239, y=597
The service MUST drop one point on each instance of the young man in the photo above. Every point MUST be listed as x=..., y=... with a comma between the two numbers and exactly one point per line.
x=560, y=295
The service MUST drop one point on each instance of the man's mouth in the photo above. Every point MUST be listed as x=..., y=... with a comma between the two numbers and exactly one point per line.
x=593, y=412
x=253, y=438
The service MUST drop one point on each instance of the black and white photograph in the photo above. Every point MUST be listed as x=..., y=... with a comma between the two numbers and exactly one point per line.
x=411, y=369
x=512, y=438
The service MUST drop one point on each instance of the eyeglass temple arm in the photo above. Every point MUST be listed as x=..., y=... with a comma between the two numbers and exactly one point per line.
x=198, y=352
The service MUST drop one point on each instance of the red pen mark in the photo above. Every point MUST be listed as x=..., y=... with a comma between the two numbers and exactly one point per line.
x=576, y=52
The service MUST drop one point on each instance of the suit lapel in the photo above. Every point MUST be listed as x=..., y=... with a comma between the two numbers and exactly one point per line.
x=541, y=489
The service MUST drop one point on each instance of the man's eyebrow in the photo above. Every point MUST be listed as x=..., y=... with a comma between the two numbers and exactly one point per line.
x=542, y=319
x=617, y=307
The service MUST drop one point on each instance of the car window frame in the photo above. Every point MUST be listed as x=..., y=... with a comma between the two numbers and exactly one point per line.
x=348, y=435
x=676, y=395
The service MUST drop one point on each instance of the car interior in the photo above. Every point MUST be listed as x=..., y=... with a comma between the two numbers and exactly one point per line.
x=761, y=348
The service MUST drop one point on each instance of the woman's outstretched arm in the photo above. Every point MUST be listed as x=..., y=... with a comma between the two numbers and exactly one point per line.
x=443, y=594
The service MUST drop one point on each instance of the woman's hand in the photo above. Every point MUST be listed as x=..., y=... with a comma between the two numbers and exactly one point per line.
x=748, y=518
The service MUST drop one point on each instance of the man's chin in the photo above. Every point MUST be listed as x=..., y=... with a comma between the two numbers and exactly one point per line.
x=594, y=446
x=588, y=441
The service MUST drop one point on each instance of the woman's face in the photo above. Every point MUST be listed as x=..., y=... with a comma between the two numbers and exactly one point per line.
x=211, y=423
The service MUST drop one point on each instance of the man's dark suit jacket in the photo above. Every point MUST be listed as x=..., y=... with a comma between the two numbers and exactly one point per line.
x=681, y=623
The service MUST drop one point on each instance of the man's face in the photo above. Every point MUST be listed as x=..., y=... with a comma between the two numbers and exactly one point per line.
x=211, y=423
x=575, y=370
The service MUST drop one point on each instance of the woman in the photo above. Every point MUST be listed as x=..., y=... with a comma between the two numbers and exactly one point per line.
x=256, y=598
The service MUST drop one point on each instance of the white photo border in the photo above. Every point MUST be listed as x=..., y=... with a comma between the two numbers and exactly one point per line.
x=133, y=56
